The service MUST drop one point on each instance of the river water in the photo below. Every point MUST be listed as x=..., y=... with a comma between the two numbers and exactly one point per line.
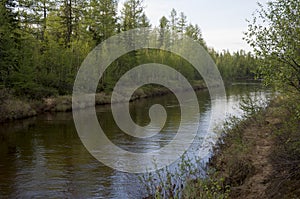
x=43, y=157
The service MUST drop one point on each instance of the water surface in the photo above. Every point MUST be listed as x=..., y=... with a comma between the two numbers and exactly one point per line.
x=43, y=157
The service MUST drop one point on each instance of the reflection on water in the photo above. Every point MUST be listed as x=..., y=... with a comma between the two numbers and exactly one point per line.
x=43, y=156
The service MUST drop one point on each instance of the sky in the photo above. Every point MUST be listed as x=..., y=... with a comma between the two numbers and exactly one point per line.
x=222, y=22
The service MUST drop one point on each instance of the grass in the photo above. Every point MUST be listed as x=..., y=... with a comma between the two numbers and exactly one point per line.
x=12, y=108
x=257, y=156
x=285, y=156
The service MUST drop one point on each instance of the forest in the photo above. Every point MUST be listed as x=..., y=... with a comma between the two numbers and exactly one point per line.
x=44, y=42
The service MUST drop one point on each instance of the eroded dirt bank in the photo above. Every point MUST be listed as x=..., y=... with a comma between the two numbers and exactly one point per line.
x=260, y=156
x=12, y=108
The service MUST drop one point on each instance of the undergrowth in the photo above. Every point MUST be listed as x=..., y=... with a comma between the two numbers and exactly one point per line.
x=190, y=180
x=286, y=155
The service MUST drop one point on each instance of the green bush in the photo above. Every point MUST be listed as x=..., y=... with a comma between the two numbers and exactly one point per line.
x=34, y=91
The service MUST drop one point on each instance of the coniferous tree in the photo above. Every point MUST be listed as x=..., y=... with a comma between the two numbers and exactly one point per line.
x=182, y=23
x=9, y=41
x=33, y=16
x=132, y=14
x=132, y=17
x=102, y=19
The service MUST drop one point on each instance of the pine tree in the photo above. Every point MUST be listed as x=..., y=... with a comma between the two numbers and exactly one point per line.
x=9, y=41
x=173, y=25
x=181, y=24
x=102, y=19
x=67, y=16
x=195, y=33
x=144, y=21
x=163, y=31
x=33, y=16
x=132, y=14
x=173, y=20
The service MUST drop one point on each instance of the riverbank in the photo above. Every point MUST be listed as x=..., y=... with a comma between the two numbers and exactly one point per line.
x=13, y=108
x=257, y=157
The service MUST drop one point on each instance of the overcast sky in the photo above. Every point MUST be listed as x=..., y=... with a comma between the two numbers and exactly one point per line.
x=222, y=21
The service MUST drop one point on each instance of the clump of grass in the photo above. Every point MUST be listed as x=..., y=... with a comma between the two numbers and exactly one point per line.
x=286, y=155
x=211, y=187
x=231, y=152
x=171, y=182
x=187, y=180
x=12, y=108
x=229, y=167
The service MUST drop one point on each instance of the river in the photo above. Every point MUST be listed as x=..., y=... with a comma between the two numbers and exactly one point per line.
x=43, y=157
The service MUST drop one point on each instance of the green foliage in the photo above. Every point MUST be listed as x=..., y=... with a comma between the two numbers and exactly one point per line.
x=252, y=105
x=101, y=19
x=211, y=187
x=45, y=42
x=235, y=66
x=133, y=15
x=170, y=182
x=9, y=41
x=285, y=156
x=182, y=23
x=194, y=32
x=274, y=34
x=4, y=95
x=186, y=180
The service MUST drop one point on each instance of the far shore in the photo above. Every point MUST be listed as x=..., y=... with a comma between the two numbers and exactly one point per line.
x=15, y=109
